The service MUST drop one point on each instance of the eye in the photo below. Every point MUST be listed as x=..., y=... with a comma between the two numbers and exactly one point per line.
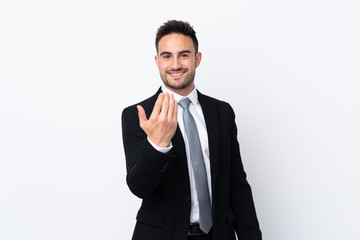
x=184, y=55
x=166, y=56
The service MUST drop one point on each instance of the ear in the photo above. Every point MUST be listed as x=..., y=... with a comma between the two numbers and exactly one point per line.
x=157, y=60
x=198, y=59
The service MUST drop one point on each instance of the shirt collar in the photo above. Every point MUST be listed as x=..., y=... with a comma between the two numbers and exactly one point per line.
x=193, y=96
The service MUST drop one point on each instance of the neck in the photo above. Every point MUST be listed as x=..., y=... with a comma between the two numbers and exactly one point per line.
x=183, y=91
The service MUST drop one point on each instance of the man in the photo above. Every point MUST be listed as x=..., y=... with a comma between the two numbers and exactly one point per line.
x=182, y=154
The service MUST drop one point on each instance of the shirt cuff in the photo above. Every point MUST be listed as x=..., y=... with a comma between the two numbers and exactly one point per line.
x=161, y=149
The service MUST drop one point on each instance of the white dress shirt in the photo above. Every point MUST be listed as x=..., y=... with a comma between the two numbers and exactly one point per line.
x=197, y=113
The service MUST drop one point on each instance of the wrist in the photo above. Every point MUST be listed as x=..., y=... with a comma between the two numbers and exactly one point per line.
x=159, y=148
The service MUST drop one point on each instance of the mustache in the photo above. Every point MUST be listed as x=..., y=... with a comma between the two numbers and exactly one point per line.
x=178, y=69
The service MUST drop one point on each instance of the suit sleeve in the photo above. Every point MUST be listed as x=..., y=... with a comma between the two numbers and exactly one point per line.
x=246, y=223
x=145, y=165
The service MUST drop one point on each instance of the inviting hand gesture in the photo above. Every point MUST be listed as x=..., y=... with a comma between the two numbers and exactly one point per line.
x=162, y=124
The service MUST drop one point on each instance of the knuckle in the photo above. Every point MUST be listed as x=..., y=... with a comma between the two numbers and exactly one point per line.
x=162, y=120
x=153, y=118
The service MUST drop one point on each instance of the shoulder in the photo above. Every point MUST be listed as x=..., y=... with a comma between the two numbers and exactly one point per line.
x=207, y=101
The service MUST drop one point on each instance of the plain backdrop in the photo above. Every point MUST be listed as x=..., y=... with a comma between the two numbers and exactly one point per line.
x=290, y=69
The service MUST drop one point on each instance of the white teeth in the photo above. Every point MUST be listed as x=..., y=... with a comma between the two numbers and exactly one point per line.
x=176, y=74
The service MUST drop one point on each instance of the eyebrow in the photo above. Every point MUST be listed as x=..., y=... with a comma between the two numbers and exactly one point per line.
x=185, y=51
x=181, y=52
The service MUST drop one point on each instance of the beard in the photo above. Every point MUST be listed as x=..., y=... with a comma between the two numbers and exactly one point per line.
x=174, y=84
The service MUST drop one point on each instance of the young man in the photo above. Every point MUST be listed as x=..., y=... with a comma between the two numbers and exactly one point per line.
x=182, y=154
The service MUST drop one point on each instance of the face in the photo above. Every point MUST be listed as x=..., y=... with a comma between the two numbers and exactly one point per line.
x=177, y=61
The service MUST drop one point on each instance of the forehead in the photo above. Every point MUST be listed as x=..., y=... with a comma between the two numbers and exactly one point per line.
x=175, y=42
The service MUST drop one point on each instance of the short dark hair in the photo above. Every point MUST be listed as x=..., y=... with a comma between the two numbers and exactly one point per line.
x=176, y=26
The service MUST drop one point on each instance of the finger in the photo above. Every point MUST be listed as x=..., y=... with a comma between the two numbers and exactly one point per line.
x=157, y=107
x=165, y=105
x=171, y=106
x=141, y=114
x=175, y=110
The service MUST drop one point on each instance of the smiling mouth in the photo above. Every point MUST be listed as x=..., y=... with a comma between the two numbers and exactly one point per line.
x=176, y=74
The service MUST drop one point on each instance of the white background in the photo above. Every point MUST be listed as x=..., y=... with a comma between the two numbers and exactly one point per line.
x=290, y=69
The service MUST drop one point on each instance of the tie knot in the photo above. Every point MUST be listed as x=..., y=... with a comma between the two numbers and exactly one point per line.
x=184, y=103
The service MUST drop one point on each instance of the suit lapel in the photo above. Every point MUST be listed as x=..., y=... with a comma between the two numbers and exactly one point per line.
x=212, y=126
x=180, y=151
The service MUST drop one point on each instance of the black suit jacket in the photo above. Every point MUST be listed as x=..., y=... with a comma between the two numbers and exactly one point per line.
x=162, y=180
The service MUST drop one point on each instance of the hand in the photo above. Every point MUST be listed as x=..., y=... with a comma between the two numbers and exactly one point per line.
x=162, y=124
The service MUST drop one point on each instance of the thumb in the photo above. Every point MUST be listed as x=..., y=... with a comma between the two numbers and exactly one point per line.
x=142, y=114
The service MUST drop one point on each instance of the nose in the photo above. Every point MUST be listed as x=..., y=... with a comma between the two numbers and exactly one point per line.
x=176, y=64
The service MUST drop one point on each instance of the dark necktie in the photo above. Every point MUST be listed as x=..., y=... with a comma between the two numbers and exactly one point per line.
x=198, y=165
